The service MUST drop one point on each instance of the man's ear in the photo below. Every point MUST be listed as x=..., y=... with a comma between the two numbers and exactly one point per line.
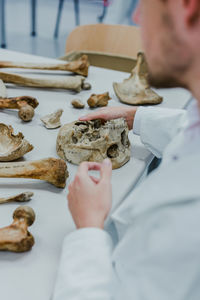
x=192, y=11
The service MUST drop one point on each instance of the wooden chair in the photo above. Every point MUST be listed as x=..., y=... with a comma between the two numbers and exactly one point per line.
x=113, y=39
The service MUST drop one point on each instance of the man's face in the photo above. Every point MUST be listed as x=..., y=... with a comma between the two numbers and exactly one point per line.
x=166, y=51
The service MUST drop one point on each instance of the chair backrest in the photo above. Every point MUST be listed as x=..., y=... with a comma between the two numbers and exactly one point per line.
x=113, y=39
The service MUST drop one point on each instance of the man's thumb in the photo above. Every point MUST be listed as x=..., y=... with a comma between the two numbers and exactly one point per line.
x=106, y=169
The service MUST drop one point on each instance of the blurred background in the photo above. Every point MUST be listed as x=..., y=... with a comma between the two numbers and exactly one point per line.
x=29, y=26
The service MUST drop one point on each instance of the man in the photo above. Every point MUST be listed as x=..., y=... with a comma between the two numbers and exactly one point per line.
x=157, y=255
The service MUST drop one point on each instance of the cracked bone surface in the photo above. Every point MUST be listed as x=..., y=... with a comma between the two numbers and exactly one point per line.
x=16, y=237
x=23, y=197
x=12, y=146
x=79, y=66
x=51, y=170
x=73, y=83
x=136, y=90
x=52, y=121
x=25, y=105
x=98, y=100
x=93, y=141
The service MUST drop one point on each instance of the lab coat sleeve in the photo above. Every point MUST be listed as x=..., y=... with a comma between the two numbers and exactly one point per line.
x=85, y=270
x=161, y=254
x=158, y=126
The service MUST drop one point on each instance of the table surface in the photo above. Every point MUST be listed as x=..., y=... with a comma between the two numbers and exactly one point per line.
x=32, y=275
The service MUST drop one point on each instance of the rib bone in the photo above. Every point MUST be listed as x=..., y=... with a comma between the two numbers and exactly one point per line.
x=16, y=237
x=73, y=83
x=79, y=66
x=52, y=170
x=23, y=197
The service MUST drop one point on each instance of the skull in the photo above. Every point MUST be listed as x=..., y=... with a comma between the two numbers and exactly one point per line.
x=94, y=141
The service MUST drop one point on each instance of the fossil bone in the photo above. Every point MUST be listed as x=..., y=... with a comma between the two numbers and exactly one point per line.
x=52, y=170
x=16, y=237
x=23, y=197
x=77, y=103
x=73, y=83
x=79, y=66
x=12, y=146
x=94, y=141
x=136, y=90
x=52, y=121
x=98, y=100
x=25, y=104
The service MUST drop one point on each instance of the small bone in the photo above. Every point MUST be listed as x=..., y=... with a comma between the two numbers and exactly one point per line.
x=52, y=170
x=77, y=103
x=23, y=197
x=136, y=90
x=86, y=86
x=52, y=121
x=25, y=104
x=16, y=237
x=79, y=66
x=73, y=83
x=98, y=100
x=12, y=146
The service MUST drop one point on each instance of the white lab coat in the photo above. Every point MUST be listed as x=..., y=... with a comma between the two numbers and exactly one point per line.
x=157, y=256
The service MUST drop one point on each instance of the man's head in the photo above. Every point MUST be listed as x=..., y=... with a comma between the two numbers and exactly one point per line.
x=171, y=37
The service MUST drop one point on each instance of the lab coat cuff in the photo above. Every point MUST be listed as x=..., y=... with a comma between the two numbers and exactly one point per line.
x=137, y=120
x=94, y=235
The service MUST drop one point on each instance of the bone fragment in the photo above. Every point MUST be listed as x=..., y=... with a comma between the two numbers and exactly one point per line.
x=16, y=237
x=25, y=104
x=98, y=100
x=136, y=90
x=77, y=103
x=52, y=170
x=12, y=146
x=3, y=91
x=73, y=83
x=23, y=197
x=86, y=86
x=93, y=141
x=52, y=121
x=79, y=66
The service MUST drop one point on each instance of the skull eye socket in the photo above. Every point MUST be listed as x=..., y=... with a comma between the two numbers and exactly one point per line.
x=112, y=151
x=124, y=139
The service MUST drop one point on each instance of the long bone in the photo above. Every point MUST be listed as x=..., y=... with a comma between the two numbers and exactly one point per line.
x=52, y=170
x=23, y=197
x=73, y=83
x=16, y=237
x=25, y=104
x=79, y=66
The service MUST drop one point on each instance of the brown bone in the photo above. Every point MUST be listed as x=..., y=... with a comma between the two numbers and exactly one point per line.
x=73, y=83
x=16, y=237
x=52, y=170
x=23, y=197
x=98, y=100
x=79, y=66
x=25, y=104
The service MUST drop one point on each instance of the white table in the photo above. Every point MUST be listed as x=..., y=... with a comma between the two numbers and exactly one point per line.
x=32, y=275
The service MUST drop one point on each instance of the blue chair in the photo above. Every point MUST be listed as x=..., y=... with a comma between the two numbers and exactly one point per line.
x=60, y=7
x=3, y=26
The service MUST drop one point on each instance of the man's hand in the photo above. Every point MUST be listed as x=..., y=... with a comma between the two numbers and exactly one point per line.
x=90, y=198
x=114, y=112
